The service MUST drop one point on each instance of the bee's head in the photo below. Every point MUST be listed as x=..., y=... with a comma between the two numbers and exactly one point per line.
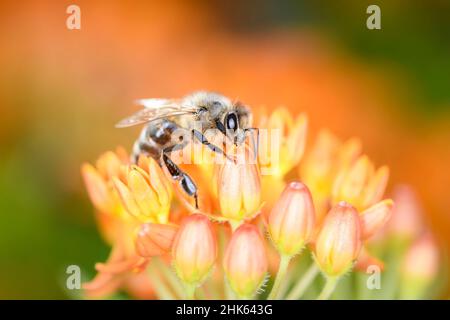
x=232, y=128
x=234, y=124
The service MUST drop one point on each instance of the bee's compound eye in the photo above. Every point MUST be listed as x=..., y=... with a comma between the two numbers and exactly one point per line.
x=231, y=122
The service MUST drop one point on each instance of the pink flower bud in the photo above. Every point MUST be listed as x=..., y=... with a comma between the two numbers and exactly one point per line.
x=422, y=259
x=194, y=249
x=291, y=221
x=338, y=242
x=239, y=189
x=245, y=261
x=419, y=268
x=407, y=215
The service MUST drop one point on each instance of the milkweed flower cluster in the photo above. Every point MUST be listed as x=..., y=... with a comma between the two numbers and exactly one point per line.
x=254, y=236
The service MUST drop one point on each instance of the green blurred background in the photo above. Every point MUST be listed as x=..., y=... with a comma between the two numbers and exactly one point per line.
x=62, y=90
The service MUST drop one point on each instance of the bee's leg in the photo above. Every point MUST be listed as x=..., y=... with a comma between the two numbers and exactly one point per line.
x=145, y=148
x=200, y=137
x=186, y=182
x=255, y=145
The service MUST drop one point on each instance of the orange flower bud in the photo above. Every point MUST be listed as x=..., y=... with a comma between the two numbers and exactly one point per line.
x=155, y=239
x=194, y=249
x=338, y=242
x=245, y=261
x=239, y=189
x=375, y=218
x=144, y=191
x=291, y=221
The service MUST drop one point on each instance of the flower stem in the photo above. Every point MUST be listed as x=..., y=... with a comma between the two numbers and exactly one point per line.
x=282, y=268
x=170, y=276
x=189, y=291
x=229, y=293
x=328, y=289
x=301, y=286
x=161, y=288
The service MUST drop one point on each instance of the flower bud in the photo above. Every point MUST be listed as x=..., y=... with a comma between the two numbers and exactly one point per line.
x=419, y=268
x=407, y=215
x=291, y=221
x=245, y=261
x=375, y=218
x=239, y=189
x=194, y=249
x=155, y=239
x=338, y=242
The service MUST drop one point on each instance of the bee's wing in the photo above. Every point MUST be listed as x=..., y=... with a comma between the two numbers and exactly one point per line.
x=155, y=109
x=155, y=103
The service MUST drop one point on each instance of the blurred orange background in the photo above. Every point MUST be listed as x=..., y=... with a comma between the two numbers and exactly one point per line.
x=61, y=92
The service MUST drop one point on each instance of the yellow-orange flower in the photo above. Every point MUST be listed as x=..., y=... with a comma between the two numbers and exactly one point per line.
x=122, y=265
x=322, y=163
x=111, y=217
x=290, y=145
x=339, y=240
x=245, y=261
x=360, y=184
x=116, y=225
x=98, y=181
x=144, y=191
x=336, y=208
x=291, y=221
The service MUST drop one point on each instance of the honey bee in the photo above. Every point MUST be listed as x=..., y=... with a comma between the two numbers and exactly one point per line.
x=205, y=110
